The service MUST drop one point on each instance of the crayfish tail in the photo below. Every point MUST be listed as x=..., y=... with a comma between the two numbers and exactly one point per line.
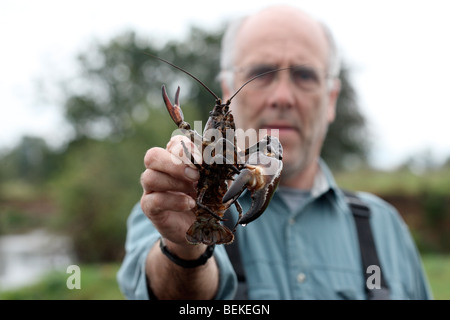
x=209, y=232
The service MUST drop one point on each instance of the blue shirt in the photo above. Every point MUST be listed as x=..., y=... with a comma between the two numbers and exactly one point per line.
x=308, y=253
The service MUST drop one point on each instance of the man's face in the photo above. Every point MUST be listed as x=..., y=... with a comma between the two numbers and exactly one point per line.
x=298, y=101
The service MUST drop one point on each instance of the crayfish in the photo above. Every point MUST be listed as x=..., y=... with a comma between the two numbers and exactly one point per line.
x=256, y=169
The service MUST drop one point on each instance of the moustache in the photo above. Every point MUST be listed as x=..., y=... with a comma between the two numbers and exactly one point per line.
x=279, y=122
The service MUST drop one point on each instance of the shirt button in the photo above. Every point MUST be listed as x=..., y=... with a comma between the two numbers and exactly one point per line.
x=301, y=277
x=291, y=221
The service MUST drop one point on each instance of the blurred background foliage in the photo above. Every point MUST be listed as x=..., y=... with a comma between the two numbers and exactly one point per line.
x=87, y=188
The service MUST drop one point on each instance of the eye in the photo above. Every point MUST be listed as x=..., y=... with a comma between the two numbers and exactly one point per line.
x=263, y=74
x=304, y=75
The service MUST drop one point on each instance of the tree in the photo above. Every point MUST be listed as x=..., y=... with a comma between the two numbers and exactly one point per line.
x=31, y=161
x=119, y=83
x=347, y=141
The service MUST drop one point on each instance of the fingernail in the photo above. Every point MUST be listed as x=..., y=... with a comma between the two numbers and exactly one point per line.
x=191, y=173
x=191, y=203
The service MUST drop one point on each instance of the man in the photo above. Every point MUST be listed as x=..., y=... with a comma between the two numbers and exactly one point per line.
x=305, y=245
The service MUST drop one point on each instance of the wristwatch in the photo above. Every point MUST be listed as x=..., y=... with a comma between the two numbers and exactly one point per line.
x=186, y=263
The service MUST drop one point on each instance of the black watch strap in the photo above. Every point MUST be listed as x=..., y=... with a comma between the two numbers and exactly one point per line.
x=186, y=263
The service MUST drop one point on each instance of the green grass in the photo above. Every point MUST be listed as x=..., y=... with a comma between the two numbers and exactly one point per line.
x=437, y=268
x=98, y=282
x=400, y=182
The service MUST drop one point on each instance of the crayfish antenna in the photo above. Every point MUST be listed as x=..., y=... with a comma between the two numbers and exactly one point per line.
x=187, y=72
x=255, y=77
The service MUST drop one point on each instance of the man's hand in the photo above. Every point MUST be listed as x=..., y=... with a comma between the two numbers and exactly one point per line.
x=169, y=191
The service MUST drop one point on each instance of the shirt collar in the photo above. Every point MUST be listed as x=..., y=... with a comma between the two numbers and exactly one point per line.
x=325, y=185
x=323, y=181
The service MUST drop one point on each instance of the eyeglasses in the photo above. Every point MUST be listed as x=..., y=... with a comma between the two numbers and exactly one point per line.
x=303, y=77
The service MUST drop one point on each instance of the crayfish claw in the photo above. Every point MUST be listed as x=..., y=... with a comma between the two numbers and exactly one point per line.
x=260, y=176
x=177, y=97
x=260, y=201
x=238, y=185
x=174, y=110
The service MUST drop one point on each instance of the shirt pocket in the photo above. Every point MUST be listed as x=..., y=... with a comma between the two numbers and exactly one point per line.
x=334, y=283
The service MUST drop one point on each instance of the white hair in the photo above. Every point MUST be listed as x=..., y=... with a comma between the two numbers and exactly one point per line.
x=228, y=51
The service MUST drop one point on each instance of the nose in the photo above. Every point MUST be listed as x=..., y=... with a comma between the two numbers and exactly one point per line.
x=281, y=94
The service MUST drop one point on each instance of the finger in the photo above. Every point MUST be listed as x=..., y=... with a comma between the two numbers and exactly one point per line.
x=175, y=146
x=161, y=160
x=157, y=202
x=157, y=181
x=169, y=213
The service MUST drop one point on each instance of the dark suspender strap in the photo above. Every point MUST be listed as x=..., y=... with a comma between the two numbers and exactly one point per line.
x=235, y=257
x=361, y=214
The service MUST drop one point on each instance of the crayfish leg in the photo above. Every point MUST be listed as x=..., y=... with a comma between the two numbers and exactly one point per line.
x=190, y=156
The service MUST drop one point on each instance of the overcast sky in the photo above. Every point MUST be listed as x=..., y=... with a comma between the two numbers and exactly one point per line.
x=398, y=50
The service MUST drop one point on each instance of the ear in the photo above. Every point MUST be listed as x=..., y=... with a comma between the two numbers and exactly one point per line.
x=333, y=95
